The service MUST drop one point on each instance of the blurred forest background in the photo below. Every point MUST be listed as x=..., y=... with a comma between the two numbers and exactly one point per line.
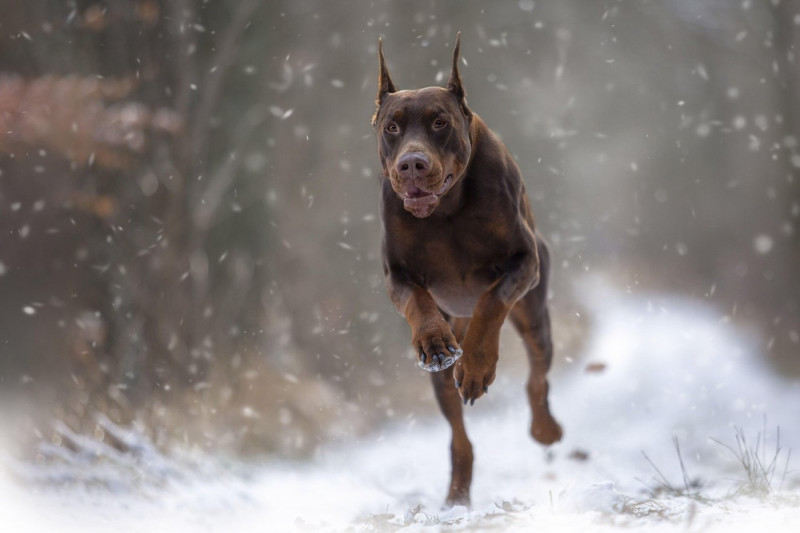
x=189, y=194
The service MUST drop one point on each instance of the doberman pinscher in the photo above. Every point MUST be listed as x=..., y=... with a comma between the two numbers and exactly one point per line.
x=460, y=252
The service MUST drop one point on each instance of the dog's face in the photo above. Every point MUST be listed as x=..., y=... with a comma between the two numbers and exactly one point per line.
x=423, y=138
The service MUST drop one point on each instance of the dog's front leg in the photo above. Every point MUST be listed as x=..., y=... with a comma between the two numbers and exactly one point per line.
x=476, y=370
x=431, y=335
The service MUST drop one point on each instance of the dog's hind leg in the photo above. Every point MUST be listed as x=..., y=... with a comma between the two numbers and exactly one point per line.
x=460, y=447
x=532, y=320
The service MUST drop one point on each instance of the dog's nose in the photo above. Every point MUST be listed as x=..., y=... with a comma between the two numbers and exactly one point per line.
x=413, y=164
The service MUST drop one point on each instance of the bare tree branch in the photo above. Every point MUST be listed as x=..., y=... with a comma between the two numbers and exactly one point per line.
x=223, y=177
x=220, y=64
x=182, y=13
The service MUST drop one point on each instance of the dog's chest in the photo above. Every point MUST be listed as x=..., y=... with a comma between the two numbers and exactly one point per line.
x=459, y=267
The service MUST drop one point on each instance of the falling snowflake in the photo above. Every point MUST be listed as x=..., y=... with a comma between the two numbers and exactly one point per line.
x=526, y=5
x=280, y=113
x=763, y=244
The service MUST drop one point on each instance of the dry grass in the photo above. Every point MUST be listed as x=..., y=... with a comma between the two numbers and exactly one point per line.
x=691, y=487
x=760, y=462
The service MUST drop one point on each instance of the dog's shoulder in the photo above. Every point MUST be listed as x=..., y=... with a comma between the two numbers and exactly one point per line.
x=493, y=172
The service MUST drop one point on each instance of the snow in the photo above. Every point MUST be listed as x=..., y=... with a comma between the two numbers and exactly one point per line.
x=665, y=370
x=763, y=244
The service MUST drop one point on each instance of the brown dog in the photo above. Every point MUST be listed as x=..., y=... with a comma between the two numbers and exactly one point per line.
x=460, y=252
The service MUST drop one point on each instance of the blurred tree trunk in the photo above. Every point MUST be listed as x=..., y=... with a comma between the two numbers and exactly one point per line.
x=141, y=125
x=785, y=329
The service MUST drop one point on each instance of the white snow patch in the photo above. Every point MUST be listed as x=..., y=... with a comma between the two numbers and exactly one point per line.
x=673, y=368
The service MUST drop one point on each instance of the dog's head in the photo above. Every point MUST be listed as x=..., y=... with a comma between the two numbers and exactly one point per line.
x=423, y=137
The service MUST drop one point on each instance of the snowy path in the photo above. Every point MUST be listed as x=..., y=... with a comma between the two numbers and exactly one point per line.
x=673, y=369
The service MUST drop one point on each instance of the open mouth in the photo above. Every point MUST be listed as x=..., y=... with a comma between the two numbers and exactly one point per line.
x=448, y=181
x=421, y=203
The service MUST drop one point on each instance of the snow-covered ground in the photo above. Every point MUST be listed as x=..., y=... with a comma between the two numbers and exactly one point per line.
x=670, y=370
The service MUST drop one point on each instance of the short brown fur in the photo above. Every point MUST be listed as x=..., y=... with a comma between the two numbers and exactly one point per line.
x=460, y=252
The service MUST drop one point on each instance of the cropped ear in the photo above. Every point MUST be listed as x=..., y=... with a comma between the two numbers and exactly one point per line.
x=454, y=83
x=385, y=84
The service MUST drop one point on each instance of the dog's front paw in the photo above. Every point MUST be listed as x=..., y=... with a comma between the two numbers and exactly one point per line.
x=437, y=347
x=473, y=375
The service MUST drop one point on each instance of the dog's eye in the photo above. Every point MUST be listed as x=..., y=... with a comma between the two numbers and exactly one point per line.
x=439, y=124
x=391, y=127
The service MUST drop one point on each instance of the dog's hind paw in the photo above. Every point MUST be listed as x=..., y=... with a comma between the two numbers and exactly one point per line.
x=546, y=430
x=441, y=361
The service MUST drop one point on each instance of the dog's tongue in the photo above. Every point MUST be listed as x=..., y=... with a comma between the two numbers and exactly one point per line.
x=421, y=206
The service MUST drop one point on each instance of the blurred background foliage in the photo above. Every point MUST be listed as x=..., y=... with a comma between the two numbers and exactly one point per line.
x=189, y=193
